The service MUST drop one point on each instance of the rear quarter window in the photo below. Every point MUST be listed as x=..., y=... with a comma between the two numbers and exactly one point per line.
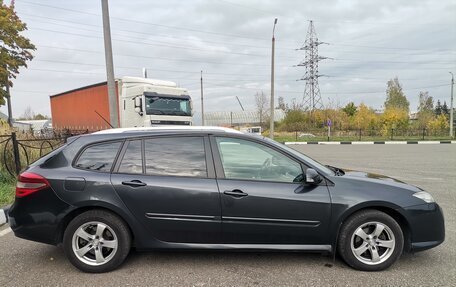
x=98, y=157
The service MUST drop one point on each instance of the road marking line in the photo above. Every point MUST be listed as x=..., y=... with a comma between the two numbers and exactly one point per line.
x=5, y=231
x=395, y=142
x=429, y=142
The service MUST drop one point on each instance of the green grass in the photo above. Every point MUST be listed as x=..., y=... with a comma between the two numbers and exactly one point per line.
x=7, y=188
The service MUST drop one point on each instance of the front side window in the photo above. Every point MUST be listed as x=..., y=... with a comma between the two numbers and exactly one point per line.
x=98, y=157
x=167, y=105
x=242, y=159
x=175, y=156
x=132, y=159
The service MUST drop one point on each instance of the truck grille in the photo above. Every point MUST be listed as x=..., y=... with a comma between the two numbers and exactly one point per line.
x=169, y=123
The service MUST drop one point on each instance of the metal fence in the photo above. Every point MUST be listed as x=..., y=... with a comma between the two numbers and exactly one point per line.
x=360, y=134
x=17, y=151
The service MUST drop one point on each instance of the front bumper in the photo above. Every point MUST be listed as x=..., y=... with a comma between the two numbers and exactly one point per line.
x=427, y=226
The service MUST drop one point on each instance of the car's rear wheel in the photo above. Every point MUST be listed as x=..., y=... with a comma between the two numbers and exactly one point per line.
x=96, y=241
x=370, y=240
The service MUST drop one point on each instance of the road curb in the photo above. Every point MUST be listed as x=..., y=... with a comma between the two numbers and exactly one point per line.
x=371, y=142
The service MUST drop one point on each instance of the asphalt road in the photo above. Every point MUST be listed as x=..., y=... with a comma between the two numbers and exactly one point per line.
x=432, y=167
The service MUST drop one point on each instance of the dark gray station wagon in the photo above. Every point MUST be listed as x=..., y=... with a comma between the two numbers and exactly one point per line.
x=213, y=188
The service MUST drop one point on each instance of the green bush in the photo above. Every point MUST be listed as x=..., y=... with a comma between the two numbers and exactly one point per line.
x=7, y=188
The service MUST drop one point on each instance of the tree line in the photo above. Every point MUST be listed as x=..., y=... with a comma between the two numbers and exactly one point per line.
x=395, y=116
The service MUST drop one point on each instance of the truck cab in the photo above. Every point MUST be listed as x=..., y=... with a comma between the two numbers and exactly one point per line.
x=147, y=102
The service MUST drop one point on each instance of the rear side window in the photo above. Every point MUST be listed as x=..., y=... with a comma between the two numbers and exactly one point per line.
x=175, y=156
x=99, y=157
x=132, y=159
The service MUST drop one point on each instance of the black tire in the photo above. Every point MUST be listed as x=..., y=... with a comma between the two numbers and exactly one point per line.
x=120, y=232
x=348, y=241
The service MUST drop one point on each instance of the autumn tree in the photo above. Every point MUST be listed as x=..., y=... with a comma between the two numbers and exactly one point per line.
x=425, y=110
x=365, y=118
x=395, y=97
x=15, y=49
x=394, y=119
x=439, y=124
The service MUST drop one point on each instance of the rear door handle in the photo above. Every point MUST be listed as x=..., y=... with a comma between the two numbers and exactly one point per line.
x=235, y=193
x=134, y=183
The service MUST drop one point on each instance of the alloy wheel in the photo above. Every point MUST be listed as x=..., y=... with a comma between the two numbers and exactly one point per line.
x=373, y=243
x=94, y=243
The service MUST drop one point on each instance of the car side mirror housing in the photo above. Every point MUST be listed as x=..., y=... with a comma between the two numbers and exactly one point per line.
x=312, y=176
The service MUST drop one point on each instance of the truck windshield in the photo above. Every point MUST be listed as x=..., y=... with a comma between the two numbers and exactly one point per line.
x=167, y=105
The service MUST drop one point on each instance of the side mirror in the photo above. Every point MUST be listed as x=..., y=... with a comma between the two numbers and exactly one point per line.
x=312, y=176
x=138, y=105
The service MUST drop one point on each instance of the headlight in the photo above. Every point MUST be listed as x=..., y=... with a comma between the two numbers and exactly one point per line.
x=424, y=196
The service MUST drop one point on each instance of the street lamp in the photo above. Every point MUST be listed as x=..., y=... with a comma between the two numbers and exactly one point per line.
x=451, y=107
x=271, y=127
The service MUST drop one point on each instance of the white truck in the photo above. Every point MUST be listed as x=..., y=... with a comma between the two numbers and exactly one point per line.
x=141, y=102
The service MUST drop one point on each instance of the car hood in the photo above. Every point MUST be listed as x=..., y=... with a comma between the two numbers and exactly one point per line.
x=378, y=178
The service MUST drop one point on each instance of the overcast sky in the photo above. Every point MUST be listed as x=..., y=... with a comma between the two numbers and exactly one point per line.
x=370, y=41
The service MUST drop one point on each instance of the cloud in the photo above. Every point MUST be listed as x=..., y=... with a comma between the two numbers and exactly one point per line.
x=230, y=41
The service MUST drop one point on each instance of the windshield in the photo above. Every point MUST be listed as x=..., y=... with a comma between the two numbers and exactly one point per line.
x=305, y=158
x=168, y=105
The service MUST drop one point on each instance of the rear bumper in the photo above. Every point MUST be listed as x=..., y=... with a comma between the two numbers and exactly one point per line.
x=427, y=226
x=38, y=216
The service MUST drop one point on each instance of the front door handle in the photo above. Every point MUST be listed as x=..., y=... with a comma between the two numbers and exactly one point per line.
x=235, y=193
x=134, y=183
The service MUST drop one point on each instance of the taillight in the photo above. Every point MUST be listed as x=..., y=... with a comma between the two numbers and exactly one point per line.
x=28, y=183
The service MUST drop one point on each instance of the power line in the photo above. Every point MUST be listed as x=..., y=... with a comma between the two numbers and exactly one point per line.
x=333, y=93
x=158, y=58
x=146, y=23
x=215, y=42
x=132, y=31
x=211, y=32
x=155, y=44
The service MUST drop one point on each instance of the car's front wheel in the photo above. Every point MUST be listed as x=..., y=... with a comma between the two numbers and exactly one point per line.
x=96, y=241
x=370, y=240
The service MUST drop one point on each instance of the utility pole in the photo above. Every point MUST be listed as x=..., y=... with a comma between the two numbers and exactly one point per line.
x=451, y=107
x=113, y=108
x=202, y=102
x=271, y=125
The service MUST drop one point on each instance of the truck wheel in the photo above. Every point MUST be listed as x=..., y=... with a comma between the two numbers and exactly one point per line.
x=96, y=241
x=370, y=240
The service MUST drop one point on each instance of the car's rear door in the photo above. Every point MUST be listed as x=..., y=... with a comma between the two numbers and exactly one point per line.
x=262, y=202
x=168, y=183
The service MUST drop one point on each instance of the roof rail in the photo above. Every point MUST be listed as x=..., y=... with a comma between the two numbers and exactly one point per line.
x=168, y=128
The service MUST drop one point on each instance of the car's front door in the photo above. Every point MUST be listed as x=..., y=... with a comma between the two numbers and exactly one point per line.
x=263, y=198
x=168, y=183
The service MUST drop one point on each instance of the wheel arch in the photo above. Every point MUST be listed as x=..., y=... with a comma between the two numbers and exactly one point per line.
x=386, y=207
x=93, y=206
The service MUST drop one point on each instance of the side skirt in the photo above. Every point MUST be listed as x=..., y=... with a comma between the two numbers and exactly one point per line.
x=246, y=247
